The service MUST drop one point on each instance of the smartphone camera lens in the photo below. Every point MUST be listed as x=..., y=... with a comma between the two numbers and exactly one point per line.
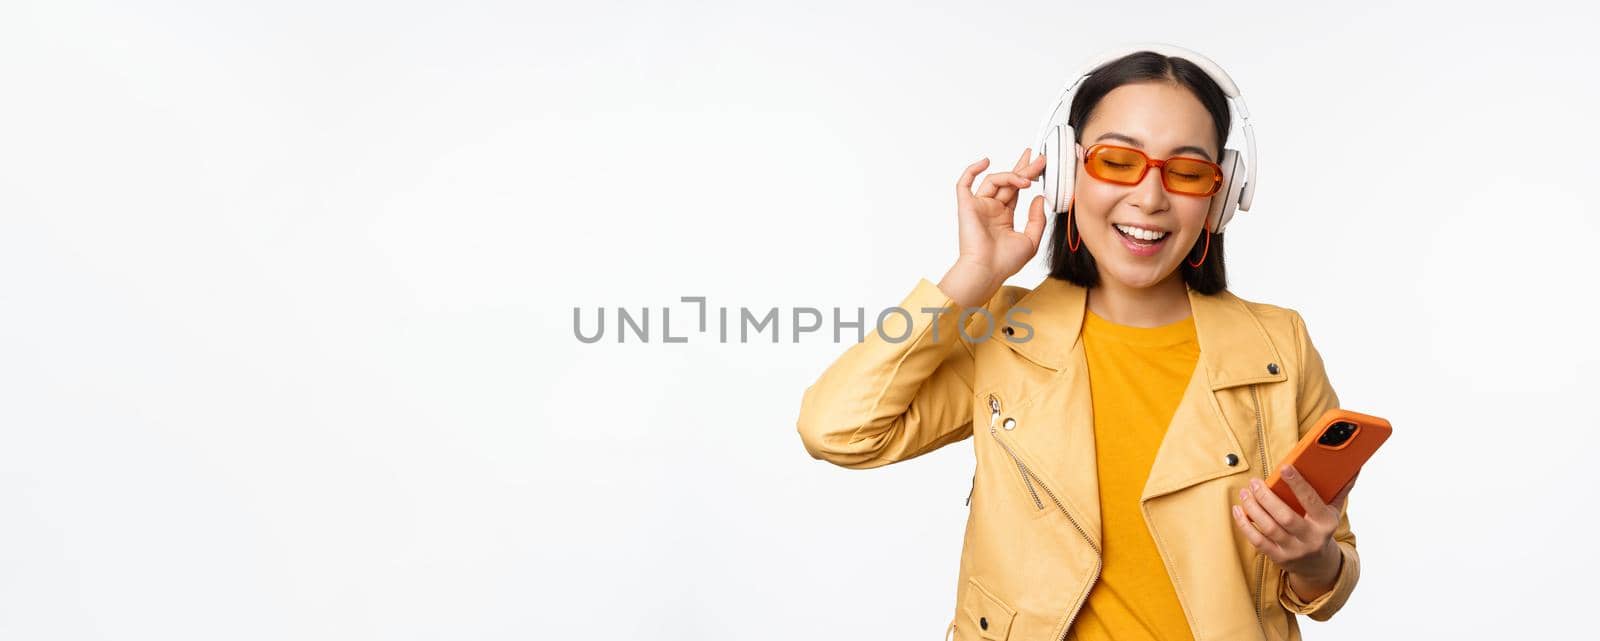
x=1337, y=433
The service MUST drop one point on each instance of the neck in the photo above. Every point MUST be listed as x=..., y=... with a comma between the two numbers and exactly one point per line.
x=1160, y=304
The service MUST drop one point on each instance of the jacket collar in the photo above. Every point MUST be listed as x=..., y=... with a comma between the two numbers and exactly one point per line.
x=1234, y=348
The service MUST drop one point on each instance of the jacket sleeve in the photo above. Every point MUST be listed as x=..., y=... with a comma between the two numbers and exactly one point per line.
x=901, y=392
x=1316, y=396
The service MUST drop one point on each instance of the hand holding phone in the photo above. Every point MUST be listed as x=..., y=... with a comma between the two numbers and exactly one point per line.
x=1330, y=456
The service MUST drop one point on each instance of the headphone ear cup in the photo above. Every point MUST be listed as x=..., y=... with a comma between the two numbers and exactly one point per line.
x=1226, y=200
x=1060, y=168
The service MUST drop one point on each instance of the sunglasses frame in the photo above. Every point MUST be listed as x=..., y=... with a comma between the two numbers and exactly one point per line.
x=1149, y=162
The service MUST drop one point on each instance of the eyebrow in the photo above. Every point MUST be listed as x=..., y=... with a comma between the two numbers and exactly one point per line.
x=1135, y=142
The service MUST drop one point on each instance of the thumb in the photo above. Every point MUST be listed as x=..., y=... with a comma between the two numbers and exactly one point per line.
x=1035, y=227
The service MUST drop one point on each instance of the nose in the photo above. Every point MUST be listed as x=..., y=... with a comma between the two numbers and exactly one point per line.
x=1150, y=195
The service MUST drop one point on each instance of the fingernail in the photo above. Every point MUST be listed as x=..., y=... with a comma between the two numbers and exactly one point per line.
x=1288, y=471
x=1243, y=494
x=1255, y=483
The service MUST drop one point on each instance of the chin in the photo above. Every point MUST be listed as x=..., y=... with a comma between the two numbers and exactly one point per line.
x=1140, y=277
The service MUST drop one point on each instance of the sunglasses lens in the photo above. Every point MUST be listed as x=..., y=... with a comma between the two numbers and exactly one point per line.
x=1116, y=165
x=1192, y=177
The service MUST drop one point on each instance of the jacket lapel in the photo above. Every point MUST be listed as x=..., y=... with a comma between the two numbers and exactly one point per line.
x=1212, y=416
x=1212, y=419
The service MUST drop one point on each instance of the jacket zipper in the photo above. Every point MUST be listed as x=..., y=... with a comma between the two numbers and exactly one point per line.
x=994, y=413
x=1261, y=450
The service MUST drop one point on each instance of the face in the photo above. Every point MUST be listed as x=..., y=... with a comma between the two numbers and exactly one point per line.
x=1160, y=119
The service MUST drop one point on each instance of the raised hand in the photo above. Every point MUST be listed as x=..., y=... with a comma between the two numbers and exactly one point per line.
x=991, y=248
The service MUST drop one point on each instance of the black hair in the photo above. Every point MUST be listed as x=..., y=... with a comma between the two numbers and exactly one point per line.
x=1078, y=267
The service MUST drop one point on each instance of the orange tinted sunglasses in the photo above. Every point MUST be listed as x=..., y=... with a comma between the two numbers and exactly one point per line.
x=1127, y=166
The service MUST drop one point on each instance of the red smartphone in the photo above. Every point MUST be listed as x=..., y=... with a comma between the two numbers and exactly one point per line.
x=1329, y=456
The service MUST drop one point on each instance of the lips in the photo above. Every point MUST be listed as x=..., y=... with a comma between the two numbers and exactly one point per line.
x=1141, y=242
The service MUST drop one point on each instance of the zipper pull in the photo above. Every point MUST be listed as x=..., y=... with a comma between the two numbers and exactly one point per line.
x=994, y=409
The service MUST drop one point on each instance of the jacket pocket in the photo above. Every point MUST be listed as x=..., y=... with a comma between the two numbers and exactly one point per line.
x=984, y=614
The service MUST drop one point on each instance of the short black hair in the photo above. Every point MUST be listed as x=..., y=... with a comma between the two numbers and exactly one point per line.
x=1078, y=267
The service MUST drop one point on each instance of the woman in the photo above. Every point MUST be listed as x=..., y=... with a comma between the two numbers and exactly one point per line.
x=1126, y=409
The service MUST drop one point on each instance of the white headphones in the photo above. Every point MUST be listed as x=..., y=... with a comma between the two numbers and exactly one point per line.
x=1057, y=140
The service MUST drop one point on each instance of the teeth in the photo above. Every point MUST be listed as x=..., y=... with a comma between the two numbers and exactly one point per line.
x=1142, y=234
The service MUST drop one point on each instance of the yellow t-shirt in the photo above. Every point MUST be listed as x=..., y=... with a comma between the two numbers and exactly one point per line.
x=1137, y=375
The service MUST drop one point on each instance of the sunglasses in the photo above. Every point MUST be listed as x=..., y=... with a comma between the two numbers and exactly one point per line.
x=1127, y=166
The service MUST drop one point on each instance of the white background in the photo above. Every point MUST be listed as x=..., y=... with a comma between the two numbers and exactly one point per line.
x=287, y=292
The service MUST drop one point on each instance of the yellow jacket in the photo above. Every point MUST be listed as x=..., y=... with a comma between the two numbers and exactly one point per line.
x=1019, y=384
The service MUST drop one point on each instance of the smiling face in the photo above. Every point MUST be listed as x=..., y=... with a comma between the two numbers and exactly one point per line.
x=1139, y=233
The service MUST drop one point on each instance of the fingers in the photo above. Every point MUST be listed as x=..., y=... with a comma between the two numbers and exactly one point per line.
x=1034, y=169
x=1254, y=536
x=964, y=184
x=1269, y=513
x=1007, y=193
x=1303, y=491
x=1035, y=229
x=1003, y=186
x=1275, y=529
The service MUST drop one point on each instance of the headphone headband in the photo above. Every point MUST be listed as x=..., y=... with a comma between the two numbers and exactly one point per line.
x=1063, y=102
